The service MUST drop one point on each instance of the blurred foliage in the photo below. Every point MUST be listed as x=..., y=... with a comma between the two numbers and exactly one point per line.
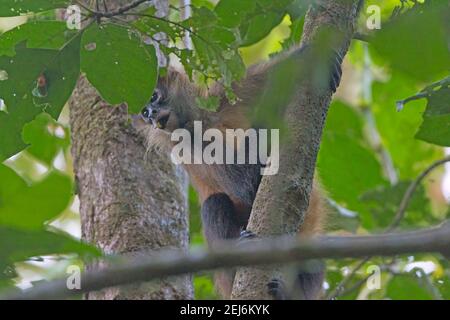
x=41, y=60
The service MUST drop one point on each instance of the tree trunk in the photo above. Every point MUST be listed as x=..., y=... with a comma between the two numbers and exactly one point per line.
x=276, y=212
x=132, y=203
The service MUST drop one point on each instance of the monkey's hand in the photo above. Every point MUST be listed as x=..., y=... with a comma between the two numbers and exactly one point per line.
x=336, y=70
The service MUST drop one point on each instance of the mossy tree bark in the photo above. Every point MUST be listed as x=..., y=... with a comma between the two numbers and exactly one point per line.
x=131, y=202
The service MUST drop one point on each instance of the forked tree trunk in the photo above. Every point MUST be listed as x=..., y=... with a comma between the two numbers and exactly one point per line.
x=276, y=212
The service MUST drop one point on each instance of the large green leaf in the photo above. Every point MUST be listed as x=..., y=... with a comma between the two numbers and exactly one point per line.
x=347, y=168
x=60, y=68
x=383, y=203
x=29, y=207
x=46, y=138
x=119, y=65
x=10, y=8
x=416, y=42
x=397, y=129
x=435, y=127
x=42, y=34
x=232, y=12
x=18, y=245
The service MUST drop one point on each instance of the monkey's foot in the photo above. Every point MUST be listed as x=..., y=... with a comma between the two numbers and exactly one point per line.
x=277, y=289
x=246, y=237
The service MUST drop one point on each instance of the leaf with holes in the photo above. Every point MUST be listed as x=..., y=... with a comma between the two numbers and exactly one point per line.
x=11, y=8
x=435, y=127
x=40, y=34
x=56, y=71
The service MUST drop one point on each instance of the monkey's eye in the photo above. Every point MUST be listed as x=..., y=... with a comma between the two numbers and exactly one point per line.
x=155, y=97
x=145, y=113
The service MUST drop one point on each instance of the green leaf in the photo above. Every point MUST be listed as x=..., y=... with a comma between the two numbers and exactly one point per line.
x=258, y=27
x=203, y=3
x=204, y=287
x=10, y=8
x=410, y=156
x=435, y=127
x=46, y=138
x=417, y=41
x=18, y=245
x=346, y=167
x=383, y=203
x=29, y=207
x=406, y=287
x=232, y=12
x=151, y=24
x=59, y=68
x=296, y=28
x=119, y=65
x=39, y=34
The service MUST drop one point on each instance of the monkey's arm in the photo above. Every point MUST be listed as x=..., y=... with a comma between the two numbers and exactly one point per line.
x=295, y=65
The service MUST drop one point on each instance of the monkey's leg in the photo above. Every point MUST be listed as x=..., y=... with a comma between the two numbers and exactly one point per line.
x=220, y=222
x=307, y=282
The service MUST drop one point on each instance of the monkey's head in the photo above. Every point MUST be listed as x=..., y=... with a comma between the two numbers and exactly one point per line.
x=172, y=104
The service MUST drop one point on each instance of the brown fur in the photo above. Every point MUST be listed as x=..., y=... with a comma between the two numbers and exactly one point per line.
x=209, y=179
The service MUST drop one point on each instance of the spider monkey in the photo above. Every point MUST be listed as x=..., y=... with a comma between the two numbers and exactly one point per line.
x=227, y=191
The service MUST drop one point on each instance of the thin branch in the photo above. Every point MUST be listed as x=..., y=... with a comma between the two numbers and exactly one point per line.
x=410, y=191
x=121, y=10
x=361, y=37
x=400, y=104
x=268, y=251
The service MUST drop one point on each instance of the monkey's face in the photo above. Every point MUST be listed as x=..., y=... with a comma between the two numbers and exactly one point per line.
x=159, y=114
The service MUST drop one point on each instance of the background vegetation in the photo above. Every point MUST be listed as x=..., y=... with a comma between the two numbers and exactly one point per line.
x=372, y=148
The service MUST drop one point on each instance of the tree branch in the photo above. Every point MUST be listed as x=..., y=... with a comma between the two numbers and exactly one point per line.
x=268, y=251
x=283, y=199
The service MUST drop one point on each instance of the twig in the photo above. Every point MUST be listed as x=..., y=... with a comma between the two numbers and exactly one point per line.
x=361, y=37
x=268, y=251
x=119, y=11
x=425, y=279
x=410, y=191
x=400, y=104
